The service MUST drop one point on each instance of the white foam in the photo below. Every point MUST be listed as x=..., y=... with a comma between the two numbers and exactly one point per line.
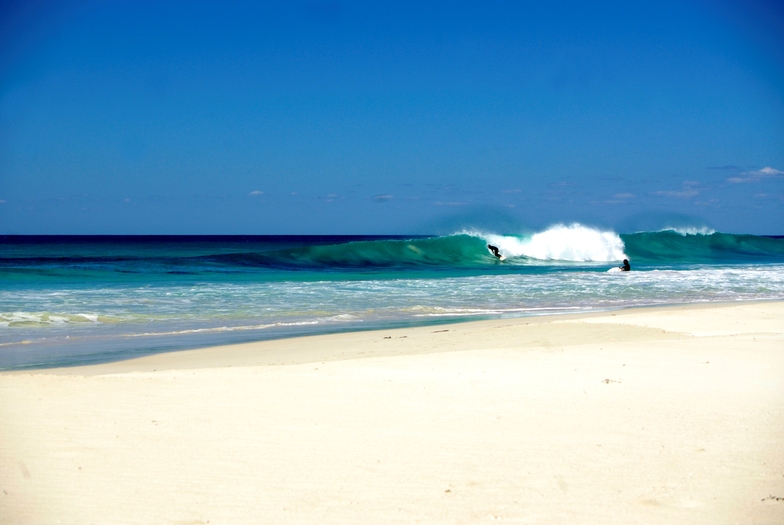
x=690, y=230
x=14, y=319
x=217, y=329
x=575, y=243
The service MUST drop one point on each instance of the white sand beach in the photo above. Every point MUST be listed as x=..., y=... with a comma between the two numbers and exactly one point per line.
x=671, y=415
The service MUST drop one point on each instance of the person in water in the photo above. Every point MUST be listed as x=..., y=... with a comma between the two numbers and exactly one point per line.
x=494, y=250
x=626, y=266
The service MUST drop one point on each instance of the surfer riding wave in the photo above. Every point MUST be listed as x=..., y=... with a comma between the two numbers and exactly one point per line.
x=494, y=251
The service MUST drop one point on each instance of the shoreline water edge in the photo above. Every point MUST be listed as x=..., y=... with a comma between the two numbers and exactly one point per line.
x=351, y=344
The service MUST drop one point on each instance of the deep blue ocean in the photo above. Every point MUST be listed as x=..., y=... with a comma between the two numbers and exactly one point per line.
x=67, y=300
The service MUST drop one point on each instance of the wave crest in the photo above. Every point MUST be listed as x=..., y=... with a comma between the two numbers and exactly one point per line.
x=572, y=243
x=690, y=230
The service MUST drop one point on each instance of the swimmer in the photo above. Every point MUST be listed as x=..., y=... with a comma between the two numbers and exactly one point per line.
x=626, y=266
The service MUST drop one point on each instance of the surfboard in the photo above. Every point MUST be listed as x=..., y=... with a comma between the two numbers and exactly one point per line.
x=613, y=270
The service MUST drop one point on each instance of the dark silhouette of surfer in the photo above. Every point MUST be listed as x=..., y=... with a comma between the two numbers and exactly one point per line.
x=494, y=251
x=626, y=266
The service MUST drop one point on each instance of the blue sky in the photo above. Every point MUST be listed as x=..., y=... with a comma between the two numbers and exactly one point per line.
x=389, y=117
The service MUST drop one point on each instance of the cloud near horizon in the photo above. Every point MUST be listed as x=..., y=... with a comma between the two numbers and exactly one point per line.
x=677, y=194
x=620, y=198
x=689, y=190
x=755, y=176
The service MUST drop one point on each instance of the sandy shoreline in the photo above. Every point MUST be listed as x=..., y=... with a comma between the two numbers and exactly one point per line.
x=659, y=415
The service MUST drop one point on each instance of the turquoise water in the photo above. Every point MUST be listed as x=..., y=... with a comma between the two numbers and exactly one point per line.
x=72, y=300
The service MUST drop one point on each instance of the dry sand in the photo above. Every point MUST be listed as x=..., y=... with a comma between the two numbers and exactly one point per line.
x=661, y=415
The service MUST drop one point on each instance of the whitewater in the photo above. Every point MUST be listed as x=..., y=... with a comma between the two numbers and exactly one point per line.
x=74, y=300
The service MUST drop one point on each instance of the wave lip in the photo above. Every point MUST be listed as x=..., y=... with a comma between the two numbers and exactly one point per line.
x=572, y=243
x=689, y=230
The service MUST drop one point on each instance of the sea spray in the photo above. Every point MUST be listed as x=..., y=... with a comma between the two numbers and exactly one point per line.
x=573, y=243
x=689, y=230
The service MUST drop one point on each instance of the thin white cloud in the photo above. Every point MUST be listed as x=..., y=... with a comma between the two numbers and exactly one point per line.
x=452, y=203
x=383, y=198
x=677, y=194
x=619, y=198
x=690, y=188
x=769, y=196
x=757, y=175
x=256, y=192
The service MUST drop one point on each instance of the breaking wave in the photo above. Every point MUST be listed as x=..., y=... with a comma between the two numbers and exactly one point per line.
x=559, y=245
x=574, y=243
